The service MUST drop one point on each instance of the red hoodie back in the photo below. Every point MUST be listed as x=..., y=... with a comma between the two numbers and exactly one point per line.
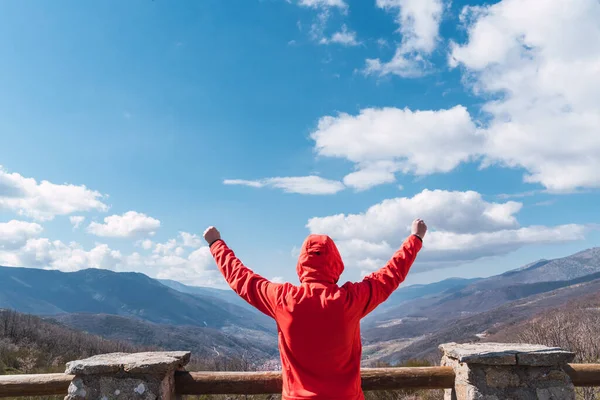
x=318, y=322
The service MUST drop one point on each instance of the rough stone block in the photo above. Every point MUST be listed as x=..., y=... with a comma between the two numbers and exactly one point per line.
x=555, y=393
x=135, y=363
x=507, y=371
x=107, y=388
x=507, y=354
x=120, y=376
x=501, y=378
x=545, y=357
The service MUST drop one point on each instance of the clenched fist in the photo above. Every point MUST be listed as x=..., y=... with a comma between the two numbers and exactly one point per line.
x=211, y=234
x=418, y=228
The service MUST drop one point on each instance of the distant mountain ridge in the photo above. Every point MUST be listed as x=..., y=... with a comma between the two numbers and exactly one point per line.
x=583, y=263
x=475, y=327
x=401, y=295
x=413, y=292
x=227, y=295
x=168, y=314
x=415, y=327
x=97, y=291
x=483, y=294
x=202, y=342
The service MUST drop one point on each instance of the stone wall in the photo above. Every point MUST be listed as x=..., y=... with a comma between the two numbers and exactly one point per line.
x=494, y=371
x=485, y=371
x=117, y=376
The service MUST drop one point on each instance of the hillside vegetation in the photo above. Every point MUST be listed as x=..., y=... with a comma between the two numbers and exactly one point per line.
x=574, y=326
x=29, y=344
x=552, y=302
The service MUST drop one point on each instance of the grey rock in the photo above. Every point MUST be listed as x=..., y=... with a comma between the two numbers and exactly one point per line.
x=152, y=363
x=507, y=354
x=91, y=387
x=501, y=377
x=555, y=393
x=507, y=371
x=545, y=358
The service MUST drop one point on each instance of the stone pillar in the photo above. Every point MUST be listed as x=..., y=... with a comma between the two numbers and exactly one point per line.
x=120, y=376
x=499, y=371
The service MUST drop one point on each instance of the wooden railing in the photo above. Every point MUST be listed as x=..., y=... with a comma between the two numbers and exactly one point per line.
x=270, y=382
x=196, y=383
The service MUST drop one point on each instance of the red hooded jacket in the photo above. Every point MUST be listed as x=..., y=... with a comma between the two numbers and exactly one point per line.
x=318, y=322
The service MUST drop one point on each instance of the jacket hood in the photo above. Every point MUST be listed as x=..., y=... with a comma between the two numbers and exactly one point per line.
x=319, y=260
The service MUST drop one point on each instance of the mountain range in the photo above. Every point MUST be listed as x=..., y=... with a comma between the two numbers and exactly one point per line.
x=141, y=310
x=135, y=308
x=127, y=294
x=415, y=328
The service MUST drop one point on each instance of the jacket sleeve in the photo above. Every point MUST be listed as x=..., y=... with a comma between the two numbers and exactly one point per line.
x=375, y=288
x=256, y=290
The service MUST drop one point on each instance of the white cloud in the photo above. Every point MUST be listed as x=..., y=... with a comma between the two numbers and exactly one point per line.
x=278, y=279
x=171, y=262
x=372, y=174
x=44, y=253
x=145, y=244
x=14, y=234
x=381, y=42
x=400, y=65
x=343, y=37
x=197, y=268
x=306, y=185
x=443, y=246
x=178, y=247
x=44, y=200
x=461, y=212
x=383, y=141
x=165, y=248
x=463, y=227
x=317, y=28
x=76, y=220
x=243, y=182
x=419, y=22
x=540, y=85
x=323, y=3
x=191, y=240
x=183, y=259
x=540, y=114
x=544, y=82
x=298, y=184
x=130, y=224
x=528, y=193
x=319, y=25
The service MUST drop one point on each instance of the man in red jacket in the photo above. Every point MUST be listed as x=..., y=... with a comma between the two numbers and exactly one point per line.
x=318, y=322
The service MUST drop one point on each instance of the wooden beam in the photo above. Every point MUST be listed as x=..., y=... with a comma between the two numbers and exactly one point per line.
x=270, y=382
x=407, y=378
x=227, y=382
x=584, y=374
x=34, y=385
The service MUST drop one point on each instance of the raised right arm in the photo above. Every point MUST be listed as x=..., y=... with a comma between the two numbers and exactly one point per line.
x=375, y=288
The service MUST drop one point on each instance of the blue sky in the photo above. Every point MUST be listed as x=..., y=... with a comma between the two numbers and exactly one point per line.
x=258, y=116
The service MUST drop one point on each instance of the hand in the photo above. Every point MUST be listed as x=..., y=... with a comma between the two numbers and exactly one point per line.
x=211, y=234
x=418, y=228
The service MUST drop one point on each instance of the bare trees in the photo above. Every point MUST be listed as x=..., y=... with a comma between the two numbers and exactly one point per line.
x=574, y=327
x=29, y=344
x=405, y=394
